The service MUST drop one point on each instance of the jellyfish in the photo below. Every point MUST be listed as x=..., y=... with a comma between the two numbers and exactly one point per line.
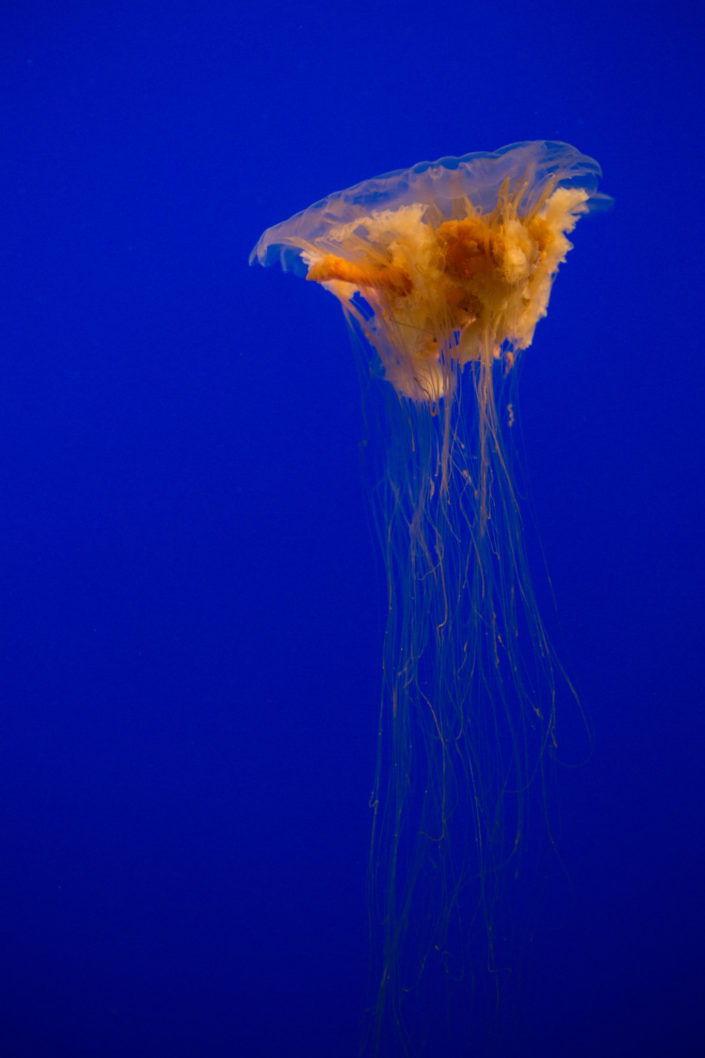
x=443, y=272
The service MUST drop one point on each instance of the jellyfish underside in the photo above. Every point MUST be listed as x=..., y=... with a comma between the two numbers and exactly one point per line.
x=441, y=291
x=444, y=271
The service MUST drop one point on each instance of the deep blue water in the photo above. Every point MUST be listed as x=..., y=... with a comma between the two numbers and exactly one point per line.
x=192, y=606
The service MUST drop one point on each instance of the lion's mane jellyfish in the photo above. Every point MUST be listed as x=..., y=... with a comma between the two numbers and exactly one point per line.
x=443, y=272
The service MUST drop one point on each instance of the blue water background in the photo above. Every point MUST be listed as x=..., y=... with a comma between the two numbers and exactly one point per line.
x=191, y=604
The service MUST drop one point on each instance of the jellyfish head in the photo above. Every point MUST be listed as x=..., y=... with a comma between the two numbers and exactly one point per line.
x=447, y=263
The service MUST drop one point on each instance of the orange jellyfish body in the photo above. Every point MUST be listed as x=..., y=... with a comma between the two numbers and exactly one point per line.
x=454, y=259
x=444, y=270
